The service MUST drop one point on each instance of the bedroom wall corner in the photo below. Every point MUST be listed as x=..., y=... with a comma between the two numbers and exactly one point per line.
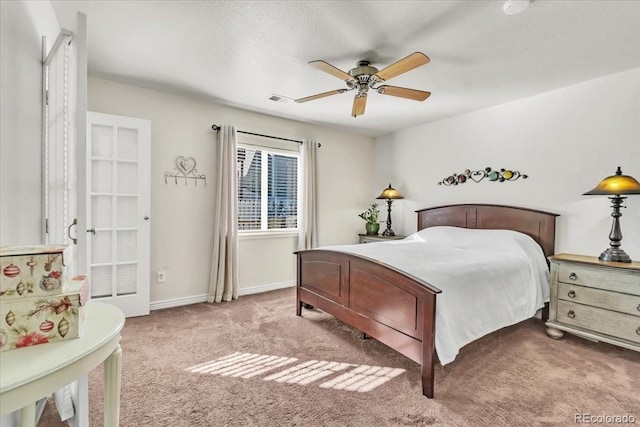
x=566, y=141
x=181, y=228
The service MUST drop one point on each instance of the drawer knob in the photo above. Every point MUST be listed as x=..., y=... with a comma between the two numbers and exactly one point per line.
x=573, y=276
x=572, y=294
x=638, y=330
x=571, y=314
x=638, y=307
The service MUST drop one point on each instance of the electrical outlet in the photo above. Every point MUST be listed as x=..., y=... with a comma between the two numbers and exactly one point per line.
x=162, y=277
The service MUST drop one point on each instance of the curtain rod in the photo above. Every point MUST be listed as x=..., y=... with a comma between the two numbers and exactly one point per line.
x=216, y=128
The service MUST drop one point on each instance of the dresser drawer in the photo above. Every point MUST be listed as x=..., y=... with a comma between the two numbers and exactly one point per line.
x=600, y=320
x=614, y=279
x=623, y=303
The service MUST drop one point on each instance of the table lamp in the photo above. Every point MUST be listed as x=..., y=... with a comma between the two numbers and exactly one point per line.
x=614, y=186
x=390, y=194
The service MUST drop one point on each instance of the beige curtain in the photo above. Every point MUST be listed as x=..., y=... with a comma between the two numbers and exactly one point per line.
x=308, y=235
x=223, y=284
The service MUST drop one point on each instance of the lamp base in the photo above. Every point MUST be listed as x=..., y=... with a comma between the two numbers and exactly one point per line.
x=614, y=255
x=388, y=232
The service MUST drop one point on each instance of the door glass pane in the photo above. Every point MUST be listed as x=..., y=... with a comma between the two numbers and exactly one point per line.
x=101, y=211
x=127, y=276
x=127, y=245
x=101, y=141
x=127, y=144
x=127, y=178
x=127, y=212
x=101, y=281
x=101, y=176
x=101, y=247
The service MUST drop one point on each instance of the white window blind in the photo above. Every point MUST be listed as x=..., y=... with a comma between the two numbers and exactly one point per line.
x=267, y=189
x=249, y=189
x=283, y=192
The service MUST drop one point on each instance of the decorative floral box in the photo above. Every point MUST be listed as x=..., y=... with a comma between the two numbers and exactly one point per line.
x=31, y=271
x=44, y=319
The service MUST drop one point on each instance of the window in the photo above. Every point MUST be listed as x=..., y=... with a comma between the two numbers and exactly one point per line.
x=267, y=189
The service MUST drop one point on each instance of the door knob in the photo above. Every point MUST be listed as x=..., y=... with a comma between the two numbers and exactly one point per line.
x=92, y=231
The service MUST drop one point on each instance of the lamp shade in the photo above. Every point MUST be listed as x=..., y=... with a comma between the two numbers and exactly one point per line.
x=615, y=184
x=390, y=193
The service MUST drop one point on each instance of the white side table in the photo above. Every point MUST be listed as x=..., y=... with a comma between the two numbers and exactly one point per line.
x=29, y=374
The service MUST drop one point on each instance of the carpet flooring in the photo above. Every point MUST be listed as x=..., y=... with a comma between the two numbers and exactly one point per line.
x=252, y=362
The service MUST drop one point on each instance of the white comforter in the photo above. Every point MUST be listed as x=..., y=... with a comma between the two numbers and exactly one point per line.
x=489, y=278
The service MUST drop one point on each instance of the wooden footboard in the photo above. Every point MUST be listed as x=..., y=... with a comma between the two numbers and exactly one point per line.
x=393, y=307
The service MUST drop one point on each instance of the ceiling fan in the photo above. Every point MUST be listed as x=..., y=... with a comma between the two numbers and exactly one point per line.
x=364, y=77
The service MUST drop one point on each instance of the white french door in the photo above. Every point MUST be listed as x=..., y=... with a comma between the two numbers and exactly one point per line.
x=117, y=211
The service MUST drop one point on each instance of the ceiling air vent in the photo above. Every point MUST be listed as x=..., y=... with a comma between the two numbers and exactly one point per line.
x=279, y=98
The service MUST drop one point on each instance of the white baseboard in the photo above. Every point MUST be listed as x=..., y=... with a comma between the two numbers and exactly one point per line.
x=177, y=302
x=265, y=288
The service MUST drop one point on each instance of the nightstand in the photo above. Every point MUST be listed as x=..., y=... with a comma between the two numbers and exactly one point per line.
x=596, y=300
x=370, y=238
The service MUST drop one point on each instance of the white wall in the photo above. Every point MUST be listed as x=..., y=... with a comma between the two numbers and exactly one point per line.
x=22, y=25
x=566, y=141
x=181, y=224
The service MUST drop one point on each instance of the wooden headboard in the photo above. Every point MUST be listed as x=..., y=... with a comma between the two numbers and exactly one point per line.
x=541, y=226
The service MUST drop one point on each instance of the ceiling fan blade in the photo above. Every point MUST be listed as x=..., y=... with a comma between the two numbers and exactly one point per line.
x=412, y=61
x=320, y=95
x=359, y=103
x=403, y=92
x=328, y=68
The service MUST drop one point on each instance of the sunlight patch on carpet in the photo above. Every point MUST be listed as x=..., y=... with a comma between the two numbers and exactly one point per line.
x=242, y=365
x=346, y=376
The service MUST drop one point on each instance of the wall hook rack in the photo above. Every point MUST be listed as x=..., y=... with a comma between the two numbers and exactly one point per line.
x=185, y=169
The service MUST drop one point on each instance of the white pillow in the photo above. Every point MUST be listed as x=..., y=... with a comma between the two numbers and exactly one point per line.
x=490, y=240
x=477, y=239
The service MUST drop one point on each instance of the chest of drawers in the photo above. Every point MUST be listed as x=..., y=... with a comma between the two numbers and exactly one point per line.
x=595, y=300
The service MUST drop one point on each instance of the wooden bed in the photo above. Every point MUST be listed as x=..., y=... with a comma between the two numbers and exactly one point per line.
x=391, y=306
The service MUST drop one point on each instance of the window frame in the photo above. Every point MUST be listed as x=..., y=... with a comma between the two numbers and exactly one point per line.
x=264, y=231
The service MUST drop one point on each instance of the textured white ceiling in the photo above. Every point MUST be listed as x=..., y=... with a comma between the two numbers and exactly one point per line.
x=240, y=52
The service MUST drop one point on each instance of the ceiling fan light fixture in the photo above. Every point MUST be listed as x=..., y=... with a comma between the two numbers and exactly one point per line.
x=364, y=77
x=513, y=7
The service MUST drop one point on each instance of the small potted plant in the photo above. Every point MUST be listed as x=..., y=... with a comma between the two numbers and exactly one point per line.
x=371, y=217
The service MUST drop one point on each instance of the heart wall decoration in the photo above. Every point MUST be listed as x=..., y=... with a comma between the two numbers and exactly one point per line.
x=185, y=170
x=185, y=165
x=479, y=175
